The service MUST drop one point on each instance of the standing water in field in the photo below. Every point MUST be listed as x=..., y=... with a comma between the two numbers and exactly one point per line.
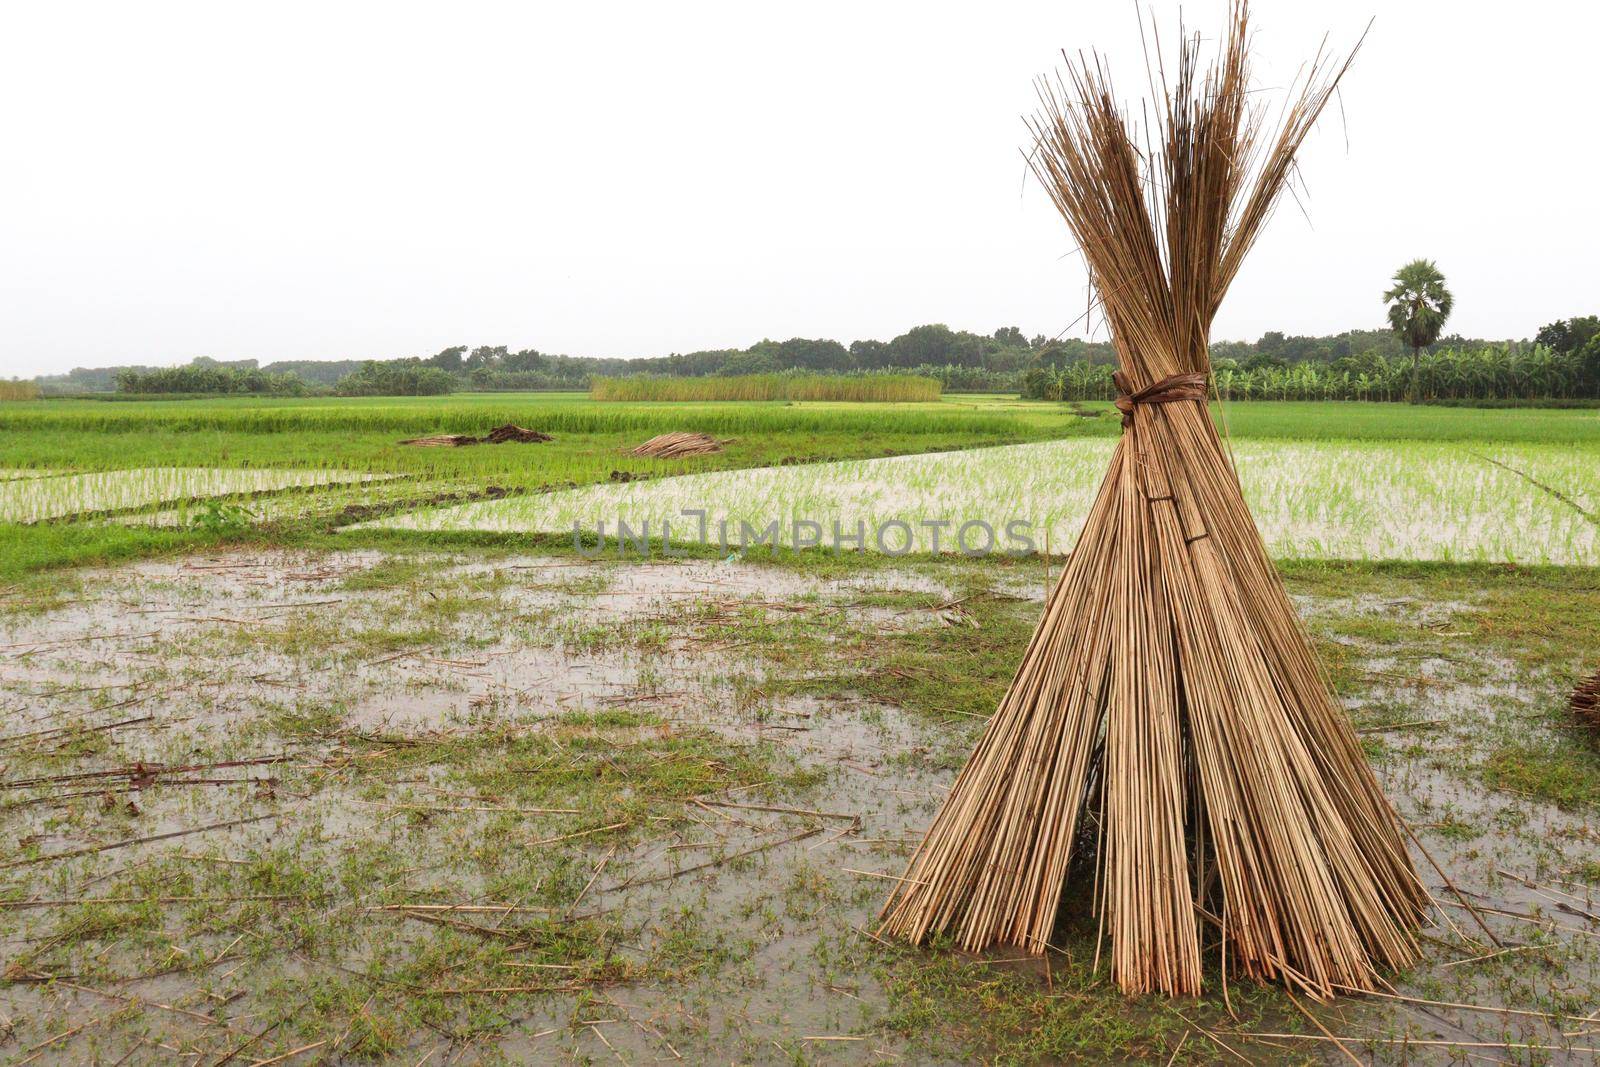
x=1317, y=500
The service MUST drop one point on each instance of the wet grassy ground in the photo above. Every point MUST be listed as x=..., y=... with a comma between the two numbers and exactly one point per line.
x=484, y=807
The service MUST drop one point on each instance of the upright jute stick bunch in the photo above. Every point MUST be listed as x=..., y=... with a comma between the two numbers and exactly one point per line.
x=1170, y=736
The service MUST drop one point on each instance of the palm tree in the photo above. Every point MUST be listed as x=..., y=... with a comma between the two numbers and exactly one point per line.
x=1418, y=305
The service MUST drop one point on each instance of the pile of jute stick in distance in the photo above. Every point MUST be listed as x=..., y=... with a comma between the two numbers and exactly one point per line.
x=1169, y=735
x=678, y=444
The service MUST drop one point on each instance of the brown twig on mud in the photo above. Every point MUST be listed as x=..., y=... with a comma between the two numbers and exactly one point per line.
x=139, y=772
x=1536, y=483
x=1492, y=1009
x=719, y=861
x=1449, y=884
x=35, y=1051
x=1552, y=895
x=40, y=735
x=233, y=1053
x=1415, y=724
x=601, y=866
x=34, y=645
x=1351, y=1056
x=856, y=819
x=127, y=841
x=291, y=1054
x=484, y=807
x=580, y=833
x=141, y=1002
x=463, y=909
x=68, y=902
x=509, y=936
x=1406, y=1041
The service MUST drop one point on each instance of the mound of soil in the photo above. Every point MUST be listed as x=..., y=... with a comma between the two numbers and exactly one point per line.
x=1586, y=700
x=514, y=434
x=678, y=444
x=510, y=433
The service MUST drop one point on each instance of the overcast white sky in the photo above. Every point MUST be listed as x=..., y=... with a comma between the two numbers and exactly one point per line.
x=366, y=180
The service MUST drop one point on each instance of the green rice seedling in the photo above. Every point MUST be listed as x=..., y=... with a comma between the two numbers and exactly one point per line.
x=564, y=413
x=101, y=431
x=1339, y=500
x=26, y=500
x=337, y=439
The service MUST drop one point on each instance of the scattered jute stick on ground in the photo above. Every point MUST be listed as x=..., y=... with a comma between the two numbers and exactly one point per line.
x=291, y=1054
x=1169, y=737
x=72, y=902
x=719, y=861
x=1410, y=1042
x=464, y=909
x=124, y=843
x=144, y=773
x=786, y=810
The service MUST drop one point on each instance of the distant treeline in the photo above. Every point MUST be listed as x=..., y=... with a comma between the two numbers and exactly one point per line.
x=397, y=377
x=1558, y=362
x=209, y=379
x=958, y=359
x=880, y=386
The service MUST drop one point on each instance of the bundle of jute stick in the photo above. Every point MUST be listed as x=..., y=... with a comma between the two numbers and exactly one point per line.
x=1586, y=700
x=1169, y=735
x=678, y=444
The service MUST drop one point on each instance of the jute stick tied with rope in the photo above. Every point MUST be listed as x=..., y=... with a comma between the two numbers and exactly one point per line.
x=1169, y=741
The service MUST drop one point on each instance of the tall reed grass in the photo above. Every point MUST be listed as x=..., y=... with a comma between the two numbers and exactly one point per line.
x=11, y=390
x=422, y=415
x=866, y=388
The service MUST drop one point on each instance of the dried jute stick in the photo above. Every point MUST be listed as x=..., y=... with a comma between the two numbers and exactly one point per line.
x=1169, y=692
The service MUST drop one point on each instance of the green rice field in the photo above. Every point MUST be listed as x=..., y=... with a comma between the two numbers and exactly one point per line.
x=1324, y=500
x=1338, y=481
x=321, y=747
x=36, y=496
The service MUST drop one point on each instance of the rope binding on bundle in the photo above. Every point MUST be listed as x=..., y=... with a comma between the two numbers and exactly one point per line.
x=1169, y=390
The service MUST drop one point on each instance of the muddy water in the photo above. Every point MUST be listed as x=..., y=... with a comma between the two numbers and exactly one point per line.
x=205, y=659
x=284, y=656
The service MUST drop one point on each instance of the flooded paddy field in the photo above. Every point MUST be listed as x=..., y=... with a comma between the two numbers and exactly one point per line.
x=35, y=496
x=474, y=807
x=1368, y=500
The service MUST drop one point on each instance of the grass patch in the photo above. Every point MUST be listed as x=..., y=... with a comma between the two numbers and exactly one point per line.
x=959, y=667
x=1564, y=774
x=325, y=923
x=390, y=572
x=29, y=549
x=948, y=1004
